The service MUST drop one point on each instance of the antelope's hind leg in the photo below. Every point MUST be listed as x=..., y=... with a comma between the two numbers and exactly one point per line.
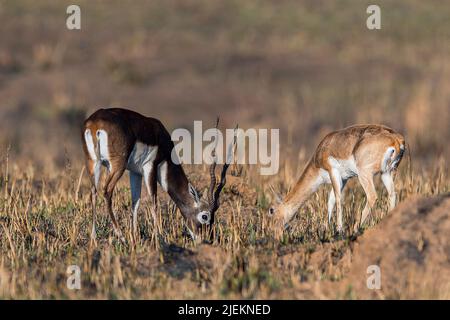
x=150, y=180
x=366, y=181
x=111, y=182
x=388, y=182
x=94, y=170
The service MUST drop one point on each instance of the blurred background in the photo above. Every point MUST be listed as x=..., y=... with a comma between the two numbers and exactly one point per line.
x=306, y=67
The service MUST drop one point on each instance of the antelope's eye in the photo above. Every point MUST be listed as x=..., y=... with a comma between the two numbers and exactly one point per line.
x=203, y=217
x=271, y=211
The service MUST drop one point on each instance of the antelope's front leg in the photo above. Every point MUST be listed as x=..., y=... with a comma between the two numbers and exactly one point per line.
x=332, y=201
x=337, y=183
x=330, y=205
x=111, y=182
x=135, y=185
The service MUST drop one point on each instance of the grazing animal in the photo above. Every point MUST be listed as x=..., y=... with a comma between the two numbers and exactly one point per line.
x=120, y=140
x=357, y=151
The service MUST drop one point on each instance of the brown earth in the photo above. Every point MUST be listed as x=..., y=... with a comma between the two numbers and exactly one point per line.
x=411, y=246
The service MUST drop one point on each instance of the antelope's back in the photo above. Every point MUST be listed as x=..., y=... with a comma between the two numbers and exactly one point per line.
x=110, y=129
x=341, y=144
x=126, y=127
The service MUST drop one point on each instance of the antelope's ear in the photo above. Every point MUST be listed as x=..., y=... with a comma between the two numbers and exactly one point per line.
x=194, y=193
x=278, y=198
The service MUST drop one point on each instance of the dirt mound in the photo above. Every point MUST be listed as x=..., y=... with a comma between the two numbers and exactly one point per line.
x=411, y=246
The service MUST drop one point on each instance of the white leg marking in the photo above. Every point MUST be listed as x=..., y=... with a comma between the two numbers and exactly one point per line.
x=102, y=138
x=338, y=196
x=135, y=184
x=388, y=182
x=331, y=203
x=332, y=200
x=162, y=175
x=336, y=176
x=147, y=171
x=97, y=171
x=192, y=234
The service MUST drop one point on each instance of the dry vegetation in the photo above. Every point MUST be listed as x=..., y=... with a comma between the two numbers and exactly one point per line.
x=306, y=67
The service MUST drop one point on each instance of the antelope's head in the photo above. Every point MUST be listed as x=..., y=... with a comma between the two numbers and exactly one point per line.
x=277, y=211
x=274, y=209
x=203, y=213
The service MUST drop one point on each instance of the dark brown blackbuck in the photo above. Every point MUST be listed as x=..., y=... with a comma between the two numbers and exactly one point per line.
x=121, y=139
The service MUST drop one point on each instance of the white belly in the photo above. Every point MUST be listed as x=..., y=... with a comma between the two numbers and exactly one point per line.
x=142, y=157
x=343, y=169
x=346, y=167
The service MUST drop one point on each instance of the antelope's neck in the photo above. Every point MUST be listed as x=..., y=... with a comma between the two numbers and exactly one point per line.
x=308, y=183
x=178, y=187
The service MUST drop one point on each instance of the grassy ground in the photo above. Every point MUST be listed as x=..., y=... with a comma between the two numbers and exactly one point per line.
x=305, y=67
x=45, y=228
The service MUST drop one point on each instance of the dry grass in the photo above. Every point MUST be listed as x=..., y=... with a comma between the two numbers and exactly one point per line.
x=45, y=228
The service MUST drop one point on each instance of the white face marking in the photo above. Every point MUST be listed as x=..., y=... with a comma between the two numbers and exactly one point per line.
x=193, y=236
x=194, y=195
x=204, y=217
x=141, y=158
x=90, y=144
x=162, y=175
x=102, y=138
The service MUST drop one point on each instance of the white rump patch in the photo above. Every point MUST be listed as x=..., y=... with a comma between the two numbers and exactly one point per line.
x=90, y=144
x=102, y=138
x=389, y=155
x=93, y=155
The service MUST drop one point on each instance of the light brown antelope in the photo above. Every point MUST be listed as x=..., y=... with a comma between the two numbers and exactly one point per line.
x=120, y=140
x=357, y=151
